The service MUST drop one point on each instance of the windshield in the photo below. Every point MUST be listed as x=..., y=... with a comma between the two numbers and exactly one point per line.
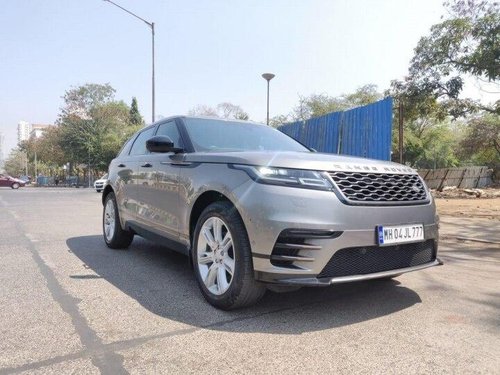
x=220, y=135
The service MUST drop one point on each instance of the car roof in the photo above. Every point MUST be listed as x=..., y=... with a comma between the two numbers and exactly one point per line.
x=166, y=119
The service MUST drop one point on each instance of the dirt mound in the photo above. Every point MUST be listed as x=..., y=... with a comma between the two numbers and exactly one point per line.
x=453, y=192
x=469, y=207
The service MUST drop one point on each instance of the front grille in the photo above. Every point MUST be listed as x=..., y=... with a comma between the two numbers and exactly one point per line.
x=366, y=187
x=371, y=259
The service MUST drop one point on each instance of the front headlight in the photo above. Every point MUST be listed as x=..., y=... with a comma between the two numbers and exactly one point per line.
x=287, y=177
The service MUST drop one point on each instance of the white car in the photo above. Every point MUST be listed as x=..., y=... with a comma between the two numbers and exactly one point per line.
x=101, y=183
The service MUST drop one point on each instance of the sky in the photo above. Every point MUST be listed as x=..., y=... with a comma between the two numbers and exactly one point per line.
x=207, y=52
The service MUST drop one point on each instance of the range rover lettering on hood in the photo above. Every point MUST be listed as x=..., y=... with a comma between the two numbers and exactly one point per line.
x=372, y=168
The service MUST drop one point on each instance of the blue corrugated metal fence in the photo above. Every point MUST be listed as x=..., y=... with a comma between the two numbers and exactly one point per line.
x=363, y=131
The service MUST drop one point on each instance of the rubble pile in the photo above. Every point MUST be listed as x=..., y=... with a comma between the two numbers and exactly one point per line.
x=454, y=192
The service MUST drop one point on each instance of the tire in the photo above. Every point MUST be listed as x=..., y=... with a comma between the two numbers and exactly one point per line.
x=114, y=236
x=15, y=185
x=224, y=249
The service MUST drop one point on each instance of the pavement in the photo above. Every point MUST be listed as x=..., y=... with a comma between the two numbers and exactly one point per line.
x=68, y=304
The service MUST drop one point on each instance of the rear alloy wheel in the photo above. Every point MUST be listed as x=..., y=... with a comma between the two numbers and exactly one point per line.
x=114, y=236
x=15, y=185
x=222, y=259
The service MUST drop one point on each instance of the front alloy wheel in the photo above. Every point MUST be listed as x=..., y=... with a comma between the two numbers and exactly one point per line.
x=15, y=185
x=215, y=255
x=222, y=258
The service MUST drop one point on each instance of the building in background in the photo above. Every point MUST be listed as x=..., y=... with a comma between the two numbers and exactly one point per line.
x=37, y=130
x=23, y=131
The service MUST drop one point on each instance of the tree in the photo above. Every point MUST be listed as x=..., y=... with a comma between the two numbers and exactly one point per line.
x=93, y=133
x=15, y=163
x=135, y=116
x=315, y=105
x=278, y=120
x=466, y=43
x=49, y=148
x=78, y=101
x=223, y=110
x=320, y=104
x=231, y=111
x=481, y=143
x=435, y=147
x=203, y=110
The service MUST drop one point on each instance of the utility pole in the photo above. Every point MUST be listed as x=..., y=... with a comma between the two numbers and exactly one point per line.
x=152, y=27
x=401, y=159
x=268, y=77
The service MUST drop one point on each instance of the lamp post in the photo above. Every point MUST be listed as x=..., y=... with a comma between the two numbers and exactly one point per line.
x=268, y=77
x=152, y=26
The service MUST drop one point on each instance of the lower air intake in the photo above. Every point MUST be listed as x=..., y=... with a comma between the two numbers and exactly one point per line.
x=371, y=259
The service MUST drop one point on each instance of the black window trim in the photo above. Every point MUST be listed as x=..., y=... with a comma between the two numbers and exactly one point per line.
x=188, y=147
x=139, y=133
x=181, y=126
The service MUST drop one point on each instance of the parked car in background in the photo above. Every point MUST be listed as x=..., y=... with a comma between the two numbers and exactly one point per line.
x=26, y=179
x=14, y=183
x=101, y=183
x=255, y=209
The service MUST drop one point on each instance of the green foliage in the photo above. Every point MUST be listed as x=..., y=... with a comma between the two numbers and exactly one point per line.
x=91, y=129
x=465, y=43
x=433, y=147
x=320, y=104
x=15, y=163
x=135, y=117
x=278, y=120
x=78, y=101
x=481, y=145
x=95, y=140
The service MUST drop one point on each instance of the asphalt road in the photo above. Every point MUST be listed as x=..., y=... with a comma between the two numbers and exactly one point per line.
x=70, y=305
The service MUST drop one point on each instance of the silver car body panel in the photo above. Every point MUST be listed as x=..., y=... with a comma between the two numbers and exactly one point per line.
x=161, y=198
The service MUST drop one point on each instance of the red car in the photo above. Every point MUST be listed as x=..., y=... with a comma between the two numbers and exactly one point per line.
x=12, y=182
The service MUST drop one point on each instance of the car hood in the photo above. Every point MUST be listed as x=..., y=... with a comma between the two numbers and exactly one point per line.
x=300, y=160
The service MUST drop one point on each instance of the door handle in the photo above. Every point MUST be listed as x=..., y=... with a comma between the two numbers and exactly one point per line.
x=121, y=165
x=147, y=165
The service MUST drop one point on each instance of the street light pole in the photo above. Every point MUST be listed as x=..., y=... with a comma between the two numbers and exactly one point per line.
x=268, y=77
x=153, y=69
x=152, y=27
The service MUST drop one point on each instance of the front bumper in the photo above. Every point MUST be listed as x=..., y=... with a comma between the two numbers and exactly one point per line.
x=269, y=210
x=313, y=281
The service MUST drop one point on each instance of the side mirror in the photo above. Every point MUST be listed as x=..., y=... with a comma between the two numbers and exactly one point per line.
x=161, y=143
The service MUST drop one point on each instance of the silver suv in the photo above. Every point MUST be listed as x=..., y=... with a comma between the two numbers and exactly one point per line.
x=255, y=210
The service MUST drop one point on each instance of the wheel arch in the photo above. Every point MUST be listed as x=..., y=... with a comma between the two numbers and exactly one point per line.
x=203, y=201
x=108, y=189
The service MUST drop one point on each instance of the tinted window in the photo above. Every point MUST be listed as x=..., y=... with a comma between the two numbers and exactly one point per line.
x=139, y=146
x=219, y=135
x=170, y=130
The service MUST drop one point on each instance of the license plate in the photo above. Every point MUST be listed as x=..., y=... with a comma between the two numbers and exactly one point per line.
x=396, y=234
